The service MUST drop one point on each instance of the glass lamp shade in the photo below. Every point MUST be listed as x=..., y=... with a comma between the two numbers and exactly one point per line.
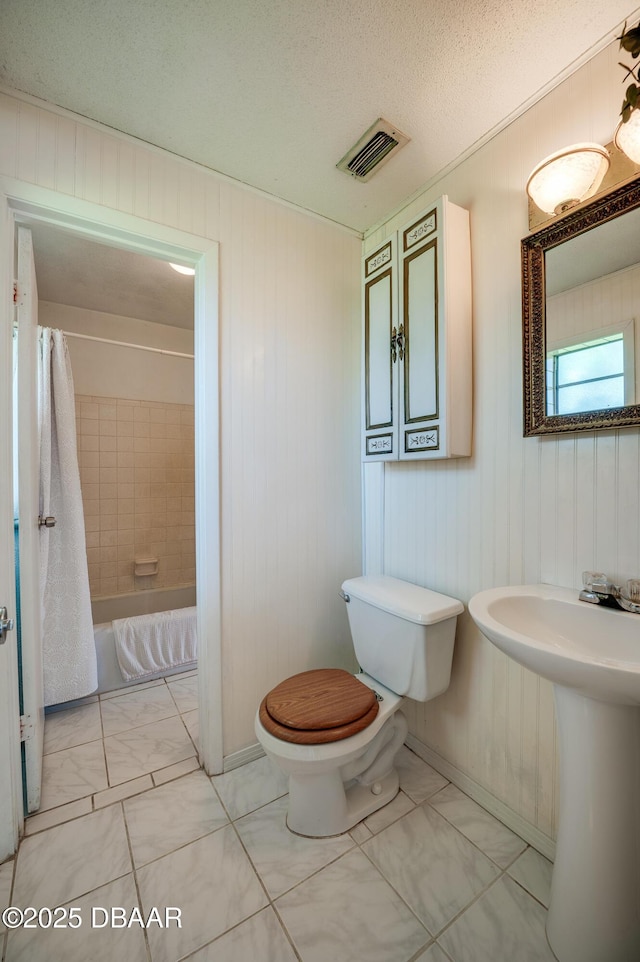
x=567, y=177
x=627, y=137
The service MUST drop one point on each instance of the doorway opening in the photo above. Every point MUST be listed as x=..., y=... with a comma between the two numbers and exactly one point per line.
x=157, y=245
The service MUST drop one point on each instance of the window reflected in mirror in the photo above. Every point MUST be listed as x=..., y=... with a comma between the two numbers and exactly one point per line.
x=586, y=376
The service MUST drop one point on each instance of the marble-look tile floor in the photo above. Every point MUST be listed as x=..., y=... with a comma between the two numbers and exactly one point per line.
x=131, y=822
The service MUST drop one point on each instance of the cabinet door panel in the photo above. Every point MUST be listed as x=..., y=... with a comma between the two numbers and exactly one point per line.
x=378, y=374
x=421, y=335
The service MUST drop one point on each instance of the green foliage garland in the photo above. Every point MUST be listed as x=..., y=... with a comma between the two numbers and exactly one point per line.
x=630, y=41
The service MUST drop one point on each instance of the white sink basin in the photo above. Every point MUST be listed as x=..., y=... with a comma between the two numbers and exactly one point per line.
x=591, y=649
x=592, y=655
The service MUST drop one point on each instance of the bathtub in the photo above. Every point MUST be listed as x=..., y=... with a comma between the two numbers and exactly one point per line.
x=106, y=610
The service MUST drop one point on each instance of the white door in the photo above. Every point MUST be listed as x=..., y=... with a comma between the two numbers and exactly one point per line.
x=11, y=807
x=27, y=468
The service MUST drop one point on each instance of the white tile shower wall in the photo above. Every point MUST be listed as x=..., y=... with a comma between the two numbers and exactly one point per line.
x=289, y=342
x=137, y=474
x=519, y=510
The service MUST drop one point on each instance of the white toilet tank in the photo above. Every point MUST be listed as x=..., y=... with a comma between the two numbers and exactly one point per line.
x=403, y=634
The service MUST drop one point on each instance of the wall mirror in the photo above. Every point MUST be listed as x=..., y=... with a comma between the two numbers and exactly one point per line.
x=581, y=318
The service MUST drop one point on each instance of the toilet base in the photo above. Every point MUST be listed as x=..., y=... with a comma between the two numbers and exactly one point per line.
x=323, y=803
x=341, y=806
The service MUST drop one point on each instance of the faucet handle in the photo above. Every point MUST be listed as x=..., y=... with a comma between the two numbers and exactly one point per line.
x=632, y=590
x=596, y=581
x=595, y=587
x=629, y=596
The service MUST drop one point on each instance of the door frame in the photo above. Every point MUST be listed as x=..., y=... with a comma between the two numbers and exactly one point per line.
x=20, y=201
x=11, y=805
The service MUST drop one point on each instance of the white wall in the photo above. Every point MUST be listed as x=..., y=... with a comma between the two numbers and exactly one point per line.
x=289, y=340
x=519, y=510
x=110, y=371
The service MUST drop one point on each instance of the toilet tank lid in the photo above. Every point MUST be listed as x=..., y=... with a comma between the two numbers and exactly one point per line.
x=403, y=599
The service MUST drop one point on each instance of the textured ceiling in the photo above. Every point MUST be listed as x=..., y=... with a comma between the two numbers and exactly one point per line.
x=81, y=273
x=274, y=92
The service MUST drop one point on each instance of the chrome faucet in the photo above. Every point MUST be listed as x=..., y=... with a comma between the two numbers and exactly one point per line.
x=598, y=590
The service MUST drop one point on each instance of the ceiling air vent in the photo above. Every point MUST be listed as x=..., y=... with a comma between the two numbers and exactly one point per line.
x=374, y=148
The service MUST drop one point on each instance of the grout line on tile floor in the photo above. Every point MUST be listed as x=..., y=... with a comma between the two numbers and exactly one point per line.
x=253, y=810
x=418, y=955
x=237, y=925
x=521, y=884
x=106, y=764
x=502, y=868
x=286, y=931
x=179, y=848
x=431, y=935
x=135, y=879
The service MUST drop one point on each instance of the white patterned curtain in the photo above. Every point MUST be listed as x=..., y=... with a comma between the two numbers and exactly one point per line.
x=69, y=655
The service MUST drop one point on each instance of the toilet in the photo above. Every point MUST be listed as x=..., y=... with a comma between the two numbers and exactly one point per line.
x=336, y=735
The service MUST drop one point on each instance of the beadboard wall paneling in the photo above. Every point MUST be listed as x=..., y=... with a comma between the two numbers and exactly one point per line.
x=289, y=340
x=294, y=504
x=519, y=510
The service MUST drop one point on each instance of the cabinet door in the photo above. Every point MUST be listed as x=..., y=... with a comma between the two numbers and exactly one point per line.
x=380, y=433
x=422, y=330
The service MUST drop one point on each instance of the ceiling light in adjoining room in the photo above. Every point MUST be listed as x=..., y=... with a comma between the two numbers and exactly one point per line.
x=567, y=177
x=181, y=269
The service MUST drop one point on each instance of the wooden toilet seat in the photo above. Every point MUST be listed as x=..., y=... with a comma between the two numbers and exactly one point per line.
x=319, y=706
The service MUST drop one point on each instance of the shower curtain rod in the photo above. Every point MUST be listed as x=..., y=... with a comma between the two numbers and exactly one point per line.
x=106, y=340
x=139, y=347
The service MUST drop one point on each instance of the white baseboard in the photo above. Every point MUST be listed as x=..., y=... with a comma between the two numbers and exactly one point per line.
x=537, y=839
x=243, y=757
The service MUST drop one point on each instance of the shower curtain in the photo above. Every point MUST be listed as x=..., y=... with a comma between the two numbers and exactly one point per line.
x=69, y=654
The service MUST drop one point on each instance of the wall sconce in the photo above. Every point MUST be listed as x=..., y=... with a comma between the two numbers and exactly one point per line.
x=572, y=175
x=627, y=137
x=567, y=177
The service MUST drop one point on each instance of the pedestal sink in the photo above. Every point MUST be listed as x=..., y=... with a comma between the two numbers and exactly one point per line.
x=592, y=655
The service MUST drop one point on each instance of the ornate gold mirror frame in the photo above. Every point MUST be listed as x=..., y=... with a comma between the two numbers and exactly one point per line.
x=533, y=249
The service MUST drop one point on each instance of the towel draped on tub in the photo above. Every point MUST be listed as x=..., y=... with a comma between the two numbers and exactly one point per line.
x=146, y=644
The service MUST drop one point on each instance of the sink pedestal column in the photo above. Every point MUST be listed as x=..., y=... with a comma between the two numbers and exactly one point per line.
x=594, y=914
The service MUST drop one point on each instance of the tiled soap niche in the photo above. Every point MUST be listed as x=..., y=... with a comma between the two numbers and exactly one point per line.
x=137, y=474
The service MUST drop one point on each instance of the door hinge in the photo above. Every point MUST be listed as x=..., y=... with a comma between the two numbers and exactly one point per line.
x=26, y=727
x=6, y=624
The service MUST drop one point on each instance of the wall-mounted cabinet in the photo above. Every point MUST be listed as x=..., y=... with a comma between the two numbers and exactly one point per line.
x=417, y=340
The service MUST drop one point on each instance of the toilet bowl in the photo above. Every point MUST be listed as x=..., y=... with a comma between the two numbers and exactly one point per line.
x=336, y=735
x=333, y=785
